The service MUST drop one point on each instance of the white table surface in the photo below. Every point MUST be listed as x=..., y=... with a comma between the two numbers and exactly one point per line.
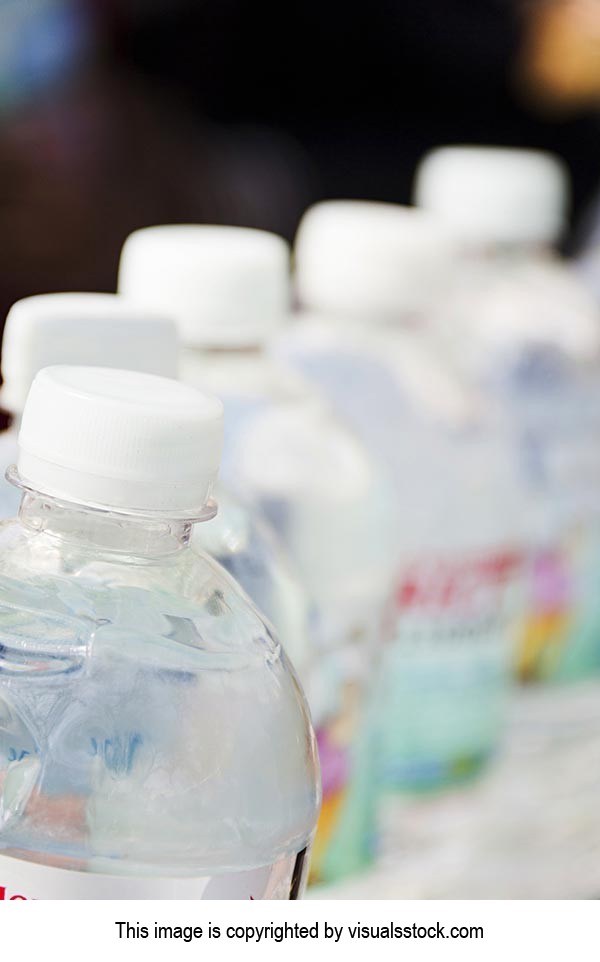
x=529, y=828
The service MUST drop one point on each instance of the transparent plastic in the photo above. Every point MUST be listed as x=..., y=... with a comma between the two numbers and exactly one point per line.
x=453, y=613
x=526, y=331
x=244, y=544
x=311, y=478
x=248, y=548
x=10, y=496
x=151, y=725
x=318, y=487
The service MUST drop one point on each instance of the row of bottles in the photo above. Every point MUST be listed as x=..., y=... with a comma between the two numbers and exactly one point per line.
x=406, y=504
x=465, y=354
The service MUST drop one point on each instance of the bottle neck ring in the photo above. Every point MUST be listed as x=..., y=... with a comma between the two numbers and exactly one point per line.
x=136, y=534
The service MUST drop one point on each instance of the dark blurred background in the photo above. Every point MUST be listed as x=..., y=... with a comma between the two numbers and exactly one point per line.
x=116, y=114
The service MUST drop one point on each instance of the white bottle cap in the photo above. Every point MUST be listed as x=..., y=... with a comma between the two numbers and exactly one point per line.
x=225, y=286
x=83, y=329
x=495, y=194
x=121, y=440
x=371, y=260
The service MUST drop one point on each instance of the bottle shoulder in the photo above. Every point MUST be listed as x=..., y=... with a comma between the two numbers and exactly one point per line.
x=251, y=377
x=533, y=303
x=124, y=680
x=280, y=430
x=244, y=543
x=186, y=598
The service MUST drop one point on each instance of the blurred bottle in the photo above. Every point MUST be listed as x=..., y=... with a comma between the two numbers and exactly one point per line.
x=284, y=448
x=367, y=279
x=82, y=329
x=523, y=328
x=103, y=330
x=154, y=740
x=241, y=539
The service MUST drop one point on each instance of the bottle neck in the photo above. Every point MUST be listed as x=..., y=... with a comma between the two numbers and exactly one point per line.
x=234, y=372
x=129, y=536
x=507, y=250
x=217, y=352
x=366, y=317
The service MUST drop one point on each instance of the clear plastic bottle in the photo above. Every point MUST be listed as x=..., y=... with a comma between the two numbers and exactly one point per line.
x=103, y=329
x=154, y=740
x=247, y=546
x=367, y=278
x=521, y=326
x=310, y=476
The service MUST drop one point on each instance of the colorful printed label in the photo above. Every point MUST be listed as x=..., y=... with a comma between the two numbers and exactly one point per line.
x=445, y=669
x=345, y=832
x=549, y=613
x=561, y=637
x=466, y=586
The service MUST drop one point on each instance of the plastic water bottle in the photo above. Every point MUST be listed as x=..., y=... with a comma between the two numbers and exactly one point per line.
x=367, y=278
x=521, y=325
x=229, y=289
x=247, y=546
x=154, y=740
x=103, y=329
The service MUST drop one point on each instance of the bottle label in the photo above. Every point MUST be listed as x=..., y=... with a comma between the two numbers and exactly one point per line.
x=24, y=881
x=445, y=669
x=344, y=843
x=459, y=587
